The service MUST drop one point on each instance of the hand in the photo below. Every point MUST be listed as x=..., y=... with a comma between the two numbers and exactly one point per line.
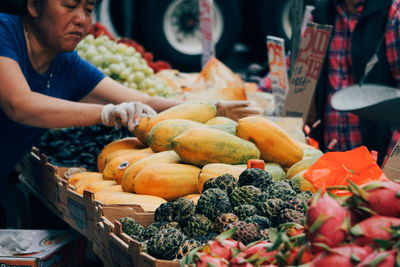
x=236, y=110
x=125, y=114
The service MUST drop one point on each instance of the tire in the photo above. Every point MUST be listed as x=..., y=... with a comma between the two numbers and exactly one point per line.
x=161, y=36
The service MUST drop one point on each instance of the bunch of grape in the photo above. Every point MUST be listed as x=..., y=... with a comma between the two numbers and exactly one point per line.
x=123, y=64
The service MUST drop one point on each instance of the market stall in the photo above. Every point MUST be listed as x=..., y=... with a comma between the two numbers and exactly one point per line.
x=191, y=187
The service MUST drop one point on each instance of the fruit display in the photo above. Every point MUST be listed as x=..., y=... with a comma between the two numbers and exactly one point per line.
x=124, y=64
x=99, y=29
x=227, y=203
x=336, y=232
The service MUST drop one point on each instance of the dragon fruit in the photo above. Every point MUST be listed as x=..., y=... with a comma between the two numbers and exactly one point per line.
x=379, y=259
x=383, y=198
x=298, y=255
x=206, y=260
x=222, y=248
x=345, y=256
x=376, y=227
x=327, y=222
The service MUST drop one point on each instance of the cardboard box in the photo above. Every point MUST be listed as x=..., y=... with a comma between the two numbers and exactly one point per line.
x=79, y=210
x=40, y=176
x=305, y=75
x=121, y=250
x=43, y=248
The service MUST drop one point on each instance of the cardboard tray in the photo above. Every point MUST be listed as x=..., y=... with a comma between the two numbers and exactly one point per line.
x=41, y=176
x=123, y=248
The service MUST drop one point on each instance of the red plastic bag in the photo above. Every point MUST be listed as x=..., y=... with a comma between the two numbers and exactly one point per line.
x=336, y=168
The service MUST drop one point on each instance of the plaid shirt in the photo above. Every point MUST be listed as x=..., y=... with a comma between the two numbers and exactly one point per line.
x=343, y=126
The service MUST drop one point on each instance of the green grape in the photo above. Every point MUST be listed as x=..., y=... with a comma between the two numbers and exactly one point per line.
x=123, y=64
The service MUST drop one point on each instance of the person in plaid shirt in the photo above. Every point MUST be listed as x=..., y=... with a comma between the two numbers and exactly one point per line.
x=361, y=29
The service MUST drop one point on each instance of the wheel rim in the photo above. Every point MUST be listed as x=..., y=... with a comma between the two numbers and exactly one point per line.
x=182, y=27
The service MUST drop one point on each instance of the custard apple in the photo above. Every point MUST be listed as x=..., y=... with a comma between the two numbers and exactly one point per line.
x=245, y=232
x=213, y=202
x=187, y=246
x=244, y=211
x=165, y=244
x=132, y=228
x=245, y=195
x=223, y=220
x=198, y=225
x=224, y=182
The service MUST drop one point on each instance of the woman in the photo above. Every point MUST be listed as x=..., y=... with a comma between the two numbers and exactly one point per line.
x=45, y=84
x=365, y=34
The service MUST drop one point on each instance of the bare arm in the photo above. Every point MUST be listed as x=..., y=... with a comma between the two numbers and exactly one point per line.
x=22, y=105
x=110, y=91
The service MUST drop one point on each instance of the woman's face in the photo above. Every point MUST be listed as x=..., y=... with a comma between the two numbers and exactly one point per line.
x=62, y=24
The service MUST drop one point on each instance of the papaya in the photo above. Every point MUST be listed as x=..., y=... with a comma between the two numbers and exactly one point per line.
x=193, y=197
x=273, y=142
x=125, y=143
x=115, y=169
x=214, y=170
x=121, y=152
x=167, y=180
x=303, y=164
x=140, y=130
x=276, y=171
x=95, y=187
x=309, y=151
x=200, y=146
x=299, y=182
x=131, y=172
x=222, y=123
x=148, y=203
x=199, y=111
x=113, y=188
x=161, y=135
x=79, y=179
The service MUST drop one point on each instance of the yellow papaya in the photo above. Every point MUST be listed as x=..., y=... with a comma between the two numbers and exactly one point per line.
x=125, y=143
x=200, y=146
x=223, y=124
x=273, y=142
x=115, y=169
x=167, y=180
x=79, y=179
x=131, y=172
x=303, y=164
x=95, y=187
x=140, y=130
x=193, y=197
x=299, y=182
x=148, y=203
x=161, y=135
x=214, y=170
x=200, y=111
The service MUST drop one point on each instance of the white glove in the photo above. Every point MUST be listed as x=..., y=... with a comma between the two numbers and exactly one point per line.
x=125, y=114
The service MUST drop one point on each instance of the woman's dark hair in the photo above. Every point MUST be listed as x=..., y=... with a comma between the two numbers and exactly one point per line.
x=19, y=6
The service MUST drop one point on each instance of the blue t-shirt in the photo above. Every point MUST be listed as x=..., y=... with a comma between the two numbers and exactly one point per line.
x=69, y=77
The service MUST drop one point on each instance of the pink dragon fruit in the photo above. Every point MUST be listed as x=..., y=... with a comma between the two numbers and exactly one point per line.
x=379, y=259
x=255, y=253
x=382, y=198
x=206, y=260
x=327, y=222
x=345, y=256
x=376, y=227
x=222, y=248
